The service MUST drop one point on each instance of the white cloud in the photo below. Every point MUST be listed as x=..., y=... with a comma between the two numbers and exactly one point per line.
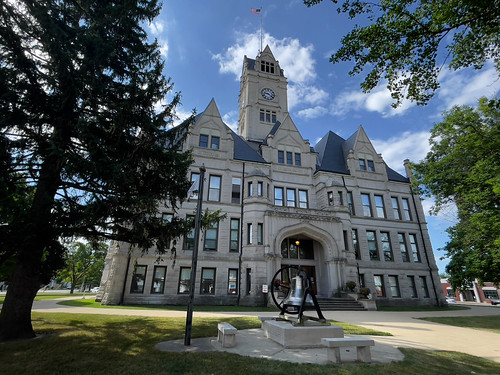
x=295, y=59
x=231, y=120
x=466, y=86
x=164, y=49
x=156, y=28
x=311, y=113
x=408, y=145
x=378, y=100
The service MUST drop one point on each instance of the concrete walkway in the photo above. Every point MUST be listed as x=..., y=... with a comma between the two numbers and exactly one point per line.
x=406, y=328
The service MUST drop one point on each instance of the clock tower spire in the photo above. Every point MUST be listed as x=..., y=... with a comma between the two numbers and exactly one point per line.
x=263, y=96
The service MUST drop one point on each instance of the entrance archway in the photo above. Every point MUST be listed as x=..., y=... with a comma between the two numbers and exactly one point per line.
x=317, y=253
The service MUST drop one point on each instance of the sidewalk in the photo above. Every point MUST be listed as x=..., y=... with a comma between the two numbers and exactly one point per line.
x=406, y=328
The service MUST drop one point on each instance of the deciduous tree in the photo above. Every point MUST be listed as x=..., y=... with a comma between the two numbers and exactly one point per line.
x=407, y=42
x=463, y=167
x=82, y=127
x=82, y=262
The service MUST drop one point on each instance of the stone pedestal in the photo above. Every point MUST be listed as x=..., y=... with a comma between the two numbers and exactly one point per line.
x=306, y=336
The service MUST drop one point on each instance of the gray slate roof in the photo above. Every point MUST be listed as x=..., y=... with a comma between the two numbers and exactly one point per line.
x=332, y=153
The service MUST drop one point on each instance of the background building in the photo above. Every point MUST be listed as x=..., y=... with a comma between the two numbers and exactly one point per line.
x=336, y=209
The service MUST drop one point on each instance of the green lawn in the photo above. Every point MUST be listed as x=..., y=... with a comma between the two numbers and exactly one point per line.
x=107, y=344
x=484, y=323
x=90, y=302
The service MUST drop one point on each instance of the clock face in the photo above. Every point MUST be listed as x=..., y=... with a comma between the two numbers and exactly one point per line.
x=267, y=94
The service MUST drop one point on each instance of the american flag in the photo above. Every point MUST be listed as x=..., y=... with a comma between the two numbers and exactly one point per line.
x=256, y=11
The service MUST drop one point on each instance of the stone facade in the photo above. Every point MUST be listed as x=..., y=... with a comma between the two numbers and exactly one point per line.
x=336, y=209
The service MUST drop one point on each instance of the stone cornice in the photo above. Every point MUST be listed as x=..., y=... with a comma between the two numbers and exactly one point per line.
x=307, y=215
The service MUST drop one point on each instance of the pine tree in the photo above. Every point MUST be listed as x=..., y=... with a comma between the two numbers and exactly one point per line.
x=79, y=132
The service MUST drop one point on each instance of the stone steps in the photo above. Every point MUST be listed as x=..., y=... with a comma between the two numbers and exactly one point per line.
x=340, y=304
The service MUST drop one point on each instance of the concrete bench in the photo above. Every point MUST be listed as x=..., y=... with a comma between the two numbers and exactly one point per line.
x=226, y=335
x=362, y=345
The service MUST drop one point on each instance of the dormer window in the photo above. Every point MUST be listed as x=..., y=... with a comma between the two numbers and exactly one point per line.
x=267, y=67
x=289, y=155
x=212, y=139
x=366, y=163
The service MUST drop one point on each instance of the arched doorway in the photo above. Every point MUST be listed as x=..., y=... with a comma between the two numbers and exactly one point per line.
x=299, y=251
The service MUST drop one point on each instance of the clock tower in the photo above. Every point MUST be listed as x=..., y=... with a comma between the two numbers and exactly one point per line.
x=263, y=96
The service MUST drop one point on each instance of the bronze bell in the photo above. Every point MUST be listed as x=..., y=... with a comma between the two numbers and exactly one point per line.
x=297, y=292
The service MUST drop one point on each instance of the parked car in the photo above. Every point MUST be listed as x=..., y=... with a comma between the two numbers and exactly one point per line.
x=494, y=301
x=94, y=290
x=450, y=300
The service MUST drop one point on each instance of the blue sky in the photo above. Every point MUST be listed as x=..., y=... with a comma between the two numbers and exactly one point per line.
x=204, y=42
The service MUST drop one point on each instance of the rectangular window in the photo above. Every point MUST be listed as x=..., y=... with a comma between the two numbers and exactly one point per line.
x=215, y=143
x=189, y=238
x=372, y=245
x=403, y=248
x=232, y=281
x=362, y=164
x=379, y=206
x=235, y=235
x=394, y=285
x=367, y=208
x=203, y=140
x=260, y=188
x=290, y=197
x=262, y=115
x=341, y=198
x=423, y=285
x=289, y=159
x=413, y=287
x=414, y=248
x=330, y=198
x=273, y=117
x=268, y=116
x=236, y=191
x=350, y=203
x=346, y=241
x=250, y=189
x=249, y=281
x=194, y=178
x=166, y=217
x=260, y=233
x=207, y=285
x=297, y=159
x=138, y=279
x=406, y=209
x=211, y=236
x=395, y=208
x=303, y=203
x=386, y=246
x=379, y=285
x=355, y=243
x=214, y=188
x=184, y=280
x=158, y=285
x=281, y=157
x=371, y=166
x=249, y=233
x=278, y=196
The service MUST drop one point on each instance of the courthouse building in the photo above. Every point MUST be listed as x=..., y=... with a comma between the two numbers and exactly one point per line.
x=336, y=209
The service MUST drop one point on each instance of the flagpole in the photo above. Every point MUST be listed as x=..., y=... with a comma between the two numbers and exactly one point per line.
x=261, y=29
x=197, y=225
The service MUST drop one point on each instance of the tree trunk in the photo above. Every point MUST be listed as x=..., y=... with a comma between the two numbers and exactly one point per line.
x=15, y=318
